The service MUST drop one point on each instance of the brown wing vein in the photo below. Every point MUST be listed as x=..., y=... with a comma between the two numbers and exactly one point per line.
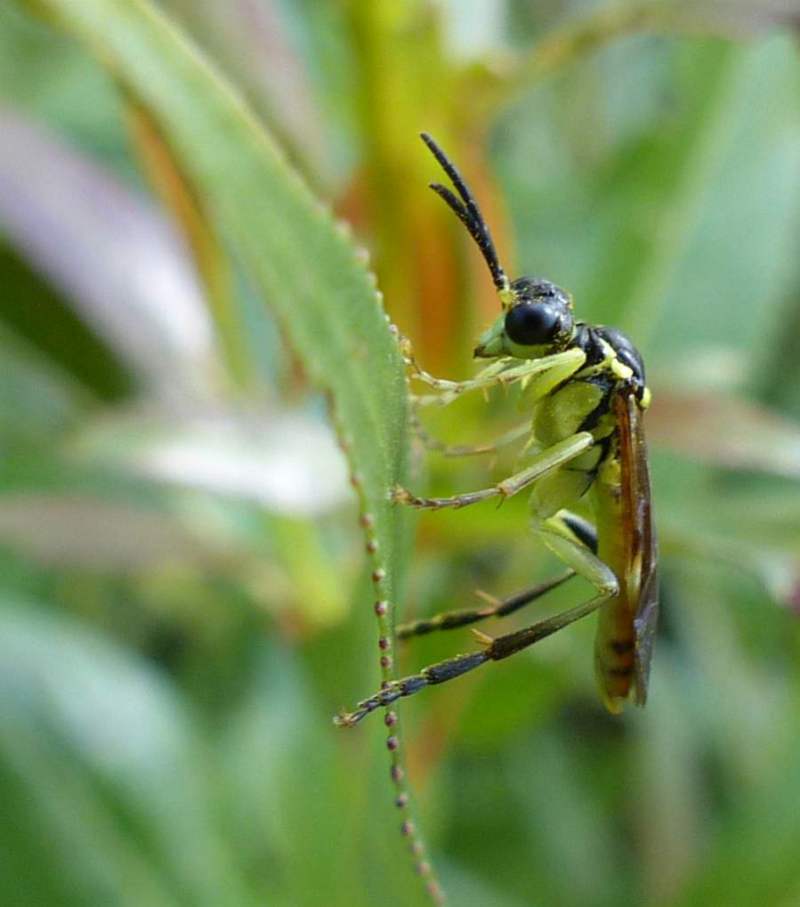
x=640, y=538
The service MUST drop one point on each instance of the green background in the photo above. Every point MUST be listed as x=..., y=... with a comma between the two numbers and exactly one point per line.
x=184, y=597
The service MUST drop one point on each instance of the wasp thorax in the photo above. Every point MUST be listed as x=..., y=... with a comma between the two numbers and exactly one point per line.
x=540, y=314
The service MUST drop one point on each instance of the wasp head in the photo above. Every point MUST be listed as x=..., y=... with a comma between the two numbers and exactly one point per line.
x=537, y=321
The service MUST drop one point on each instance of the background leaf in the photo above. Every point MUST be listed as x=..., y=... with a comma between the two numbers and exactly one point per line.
x=183, y=580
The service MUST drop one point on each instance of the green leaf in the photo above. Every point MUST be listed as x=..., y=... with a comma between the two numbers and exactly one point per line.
x=305, y=266
x=301, y=261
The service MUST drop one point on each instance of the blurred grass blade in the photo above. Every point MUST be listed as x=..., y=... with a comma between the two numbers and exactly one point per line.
x=113, y=535
x=598, y=25
x=87, y=515
x=100, y=758
x=35, y=401
x=112, y=255
x=213, y=267
x=740, y=18
x=42, y=327
x=305, y=266
x=258, y=43
x=285, y=461
x=724, y=431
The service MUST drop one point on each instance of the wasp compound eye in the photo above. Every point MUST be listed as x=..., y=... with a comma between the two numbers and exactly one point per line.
x=530, y=323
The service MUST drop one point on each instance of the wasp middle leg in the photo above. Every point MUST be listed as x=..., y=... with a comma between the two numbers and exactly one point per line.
x=546, y=461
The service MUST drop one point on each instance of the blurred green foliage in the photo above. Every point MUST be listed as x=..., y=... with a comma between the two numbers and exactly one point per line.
x=183, y=597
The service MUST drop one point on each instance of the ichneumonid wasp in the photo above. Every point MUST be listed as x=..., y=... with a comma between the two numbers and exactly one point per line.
x=586, y=391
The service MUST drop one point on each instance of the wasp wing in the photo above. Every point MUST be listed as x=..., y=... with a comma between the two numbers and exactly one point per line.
x=640, y=537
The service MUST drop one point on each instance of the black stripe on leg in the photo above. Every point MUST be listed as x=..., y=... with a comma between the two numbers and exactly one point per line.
x=447, y=670
x=582, y=529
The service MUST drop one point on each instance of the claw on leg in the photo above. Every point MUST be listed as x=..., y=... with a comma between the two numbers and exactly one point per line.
x=491, y=600
x=400, y=495
x=483, y=639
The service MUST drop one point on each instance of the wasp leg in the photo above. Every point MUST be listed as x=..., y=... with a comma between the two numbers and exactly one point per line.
x=567, y=536
x=441, y=672
x=454, y=388
x=464, y=450
x=442, y=384
x=564, y=539
x=450, y=620
x=493, y=649
x=498, y=373
x=545, y=462
x=485, y=378
x=395, y=689
x=536, y=384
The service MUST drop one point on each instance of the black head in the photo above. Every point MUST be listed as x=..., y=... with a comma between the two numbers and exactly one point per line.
x=536, y=322
x=541, y=313
x=537, y=315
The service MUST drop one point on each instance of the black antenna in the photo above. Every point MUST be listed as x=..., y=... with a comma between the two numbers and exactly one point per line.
x=467, y=211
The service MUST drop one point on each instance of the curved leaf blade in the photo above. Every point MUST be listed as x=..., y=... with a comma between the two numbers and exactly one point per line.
x=304, y=264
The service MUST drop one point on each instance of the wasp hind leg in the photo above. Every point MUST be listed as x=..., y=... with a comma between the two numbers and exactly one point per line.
x=570, y=538
x=502, y=607
x=492, y=650
x=565, y=535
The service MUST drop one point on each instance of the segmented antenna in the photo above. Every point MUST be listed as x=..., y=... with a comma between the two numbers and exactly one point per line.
x=467, y=211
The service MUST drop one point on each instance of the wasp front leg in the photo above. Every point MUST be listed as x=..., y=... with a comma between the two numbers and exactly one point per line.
x=499, y=373
x=444, y=385
x=538, y=378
